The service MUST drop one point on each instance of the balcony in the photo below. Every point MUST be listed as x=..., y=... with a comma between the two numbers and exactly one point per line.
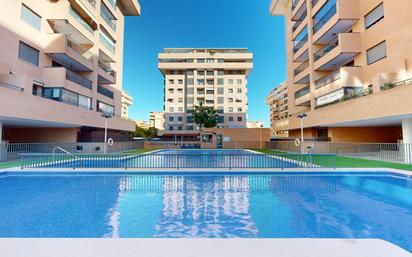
x=299, y=44
x=302, y=97
x=302, y=73
x=338, y=52
x=78, y=23
x=69, y=53
x=298, y=8
x=301, y=68
x=339, y=18
x=104, y=91
x=108, y=17
x=314, y=2
x=106, y=74
x=65, y=78
x=342, y=95
x=343, y=77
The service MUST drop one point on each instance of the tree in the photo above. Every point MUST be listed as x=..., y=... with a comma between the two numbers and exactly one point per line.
x=147, y=133
x=206, y=116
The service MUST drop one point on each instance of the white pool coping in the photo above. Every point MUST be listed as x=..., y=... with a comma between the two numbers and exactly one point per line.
x=199, y=248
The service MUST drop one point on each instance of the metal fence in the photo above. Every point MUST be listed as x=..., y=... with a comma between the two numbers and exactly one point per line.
x=178, y=161
x=396, y=152
x=10, y=151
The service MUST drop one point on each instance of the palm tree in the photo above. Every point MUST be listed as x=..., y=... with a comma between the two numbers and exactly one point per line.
x=206, y=116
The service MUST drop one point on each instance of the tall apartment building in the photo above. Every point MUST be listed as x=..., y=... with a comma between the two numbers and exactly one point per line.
x=349, y=68
x=157, y=120
x=277, y=99
x=127, y=100
x=212, y=77
x=61, y=65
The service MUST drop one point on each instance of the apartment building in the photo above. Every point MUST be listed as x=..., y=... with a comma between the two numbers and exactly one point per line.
x=277, y=100
x=142, y=124
x=349, y=68
x=212, y=77
x=157, y=120
x=127, y=100
x=61, y=67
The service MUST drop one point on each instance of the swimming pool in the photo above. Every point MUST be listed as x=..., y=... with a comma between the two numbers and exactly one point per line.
x=205, y=159
x=211, y=205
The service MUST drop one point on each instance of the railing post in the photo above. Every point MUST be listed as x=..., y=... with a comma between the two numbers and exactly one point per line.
x=230, y=161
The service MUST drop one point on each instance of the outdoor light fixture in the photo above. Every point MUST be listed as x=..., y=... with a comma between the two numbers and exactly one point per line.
x=301, y=116
x=106, y=116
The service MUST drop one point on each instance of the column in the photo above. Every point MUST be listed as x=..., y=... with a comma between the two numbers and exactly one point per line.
x=407, y=139
x=1, y=132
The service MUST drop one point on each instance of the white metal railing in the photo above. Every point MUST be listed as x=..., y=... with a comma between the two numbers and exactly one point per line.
x=391, y=152
x=10, y=151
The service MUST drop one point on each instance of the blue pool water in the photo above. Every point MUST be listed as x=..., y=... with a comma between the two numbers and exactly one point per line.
x=278, y=205
x=180, y=159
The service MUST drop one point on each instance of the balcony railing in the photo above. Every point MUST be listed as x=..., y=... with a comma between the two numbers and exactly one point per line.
x=112, y=3
x=79, y=49
x=77, y=17
x=80, y=80
x=349, y=96
x=301, y=67
x=110, y=21
x=106, y=67
x=300, y=44
x=302, y=92
x=107, y=44
x=390, y=85
x=324, y=19
x=105, y=92
x=326, y=49
x=8, y=85
x=294, y=4
x=327, y=79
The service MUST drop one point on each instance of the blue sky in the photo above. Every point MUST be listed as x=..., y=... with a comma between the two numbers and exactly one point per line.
x=198, y=23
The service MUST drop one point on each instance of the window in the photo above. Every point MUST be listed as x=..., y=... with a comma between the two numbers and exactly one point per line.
x=201, y=82
x=190, y=90
x=230, y=100
x=220, y=100
x=171, y=128
x=209, y=73
x=230, y=81
x=210, y=82
x=210, y=92
x=230, y=118
x=239, y=109
x=107, y=40
x=105, y=108
x=201, y=91
x=239, y=82
x=171, y=109
x=201, y=60
x=230, y=90
x=190, y=100
x=179, y=127
x=376, y=53
x=107, y=16
x=180, y=100
x=171, y=90
x=28, y=53
x=374, y=16
x=220, y=91
x=210, y=60
x=180, y=81
x=104, y=91
x=37, y=90
x=180, y=90
x=180, y=109
x=220, y=73
x=30, y=17
x=220, y=81
x=171, y=118
x=190, y=81
x=201, y=73
x=220, y=60
x=180, y=118
x=171, y=81
x=239, y=118
x=230, y=109
x=190, y=73
x=239, y=90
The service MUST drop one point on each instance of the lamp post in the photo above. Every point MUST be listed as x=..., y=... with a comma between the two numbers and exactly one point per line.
x=301, y=117
x=106, y=116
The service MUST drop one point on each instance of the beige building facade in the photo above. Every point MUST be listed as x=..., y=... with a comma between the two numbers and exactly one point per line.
x=157, y=120
x=277, y=100
x=349, y=68
x=61, y=67
x=212, y=77
x=127, y=100
x=255, y=124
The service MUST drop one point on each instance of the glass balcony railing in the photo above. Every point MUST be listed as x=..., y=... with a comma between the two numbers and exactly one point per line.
x=79, y=80
x=79, y=49
x=77, y=17
x=324, y=19
x=314, y=2
x=300, y=44
x=113, y=3
x=294, y=4
x=327, y=79
x=301, y=68
x=299, y=21
x=106, y=67
x=104, y=91
x=326, y=49
x=107, y=43
x=302, y=92
x=108, y=17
